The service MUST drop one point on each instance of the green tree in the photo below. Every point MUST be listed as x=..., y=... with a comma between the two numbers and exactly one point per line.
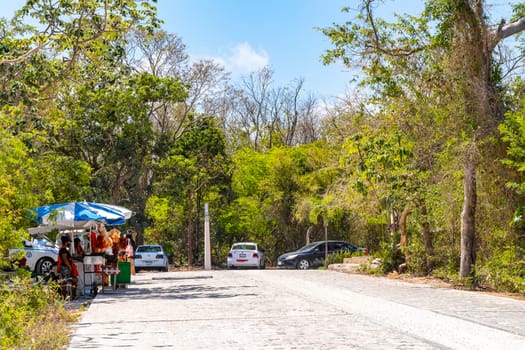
x=288, y=185
x=245, y=218
x=197, y=165
x=513, y=133
x=42, y=60
x=18, y=174
x=37, y=58
x=77, y=29
x=105, y=122
x=451, y=41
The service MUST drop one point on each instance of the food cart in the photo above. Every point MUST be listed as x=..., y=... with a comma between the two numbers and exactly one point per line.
x=103, y=262
x=97, y=260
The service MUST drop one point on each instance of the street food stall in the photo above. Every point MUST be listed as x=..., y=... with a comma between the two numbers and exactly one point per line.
x=99, y=255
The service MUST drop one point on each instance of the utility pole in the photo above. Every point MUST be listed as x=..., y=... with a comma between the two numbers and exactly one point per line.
x=207, y=246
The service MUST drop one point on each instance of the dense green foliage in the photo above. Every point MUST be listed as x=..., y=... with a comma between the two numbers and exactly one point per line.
x=430, y=158
x=338, y=258
x=194, y=171
x=450, y=197
x=32, y=317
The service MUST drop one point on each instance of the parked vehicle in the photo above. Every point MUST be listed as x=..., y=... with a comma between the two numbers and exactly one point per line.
x=313, y=254
x=150, y=256
x=246, y=254
x=40, y=255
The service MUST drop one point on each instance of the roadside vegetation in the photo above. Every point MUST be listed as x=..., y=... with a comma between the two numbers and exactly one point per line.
x=422, y=164
x=32, y=316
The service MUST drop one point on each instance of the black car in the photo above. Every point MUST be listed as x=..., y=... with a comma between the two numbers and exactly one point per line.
x=313, y=254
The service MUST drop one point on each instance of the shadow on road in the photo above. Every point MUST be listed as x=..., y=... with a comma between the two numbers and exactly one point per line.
x=140, y=290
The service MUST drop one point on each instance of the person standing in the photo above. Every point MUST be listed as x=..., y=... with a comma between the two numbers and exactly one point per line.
x=130, y=250
x=129, y=235
x=79, y=251
x=66, y=267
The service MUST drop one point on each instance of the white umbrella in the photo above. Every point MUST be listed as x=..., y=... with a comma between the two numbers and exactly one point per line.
x=117, y=208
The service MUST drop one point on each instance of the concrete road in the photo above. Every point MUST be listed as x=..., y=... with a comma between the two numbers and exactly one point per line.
x=276, y=309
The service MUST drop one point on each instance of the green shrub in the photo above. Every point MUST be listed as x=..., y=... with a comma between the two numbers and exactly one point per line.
x=446, y=263
x=337, y=258
x=505, y=271
x=446, y=273
x=418, y=265
x=32, y=316
x=390, y=256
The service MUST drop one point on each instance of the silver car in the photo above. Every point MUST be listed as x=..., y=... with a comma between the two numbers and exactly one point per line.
x=150, y=256
x=245, y=254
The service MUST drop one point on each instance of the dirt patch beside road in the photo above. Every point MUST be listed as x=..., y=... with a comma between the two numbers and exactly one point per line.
x=439, y=283
x=353, y=265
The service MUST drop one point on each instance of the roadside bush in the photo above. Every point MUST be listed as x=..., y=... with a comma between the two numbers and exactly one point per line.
x=418, y=258
x=390, y=256
x=447, y=273
x=505, y=271
x=446, y=265
x=32, y=316
x=336, y=258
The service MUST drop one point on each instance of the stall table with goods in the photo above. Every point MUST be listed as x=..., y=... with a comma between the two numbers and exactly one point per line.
x=101, y=258
x=92, y=273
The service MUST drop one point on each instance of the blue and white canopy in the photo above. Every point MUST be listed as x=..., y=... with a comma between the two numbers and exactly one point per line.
x=114, y=208
x=74, y=215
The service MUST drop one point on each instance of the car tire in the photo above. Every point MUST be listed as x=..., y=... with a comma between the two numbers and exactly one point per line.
x=303, y=264
x=44, y=266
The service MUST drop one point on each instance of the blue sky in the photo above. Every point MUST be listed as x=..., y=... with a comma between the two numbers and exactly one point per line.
x=246, y=35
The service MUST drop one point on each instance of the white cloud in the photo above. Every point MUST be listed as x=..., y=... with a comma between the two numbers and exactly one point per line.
x=242, y=59
x=245, y=59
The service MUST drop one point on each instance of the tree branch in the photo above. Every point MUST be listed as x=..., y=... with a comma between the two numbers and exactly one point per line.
x=504, y=31
x=22, y=57
x=376, y=44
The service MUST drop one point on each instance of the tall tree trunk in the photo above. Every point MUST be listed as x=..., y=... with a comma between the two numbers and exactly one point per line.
x=468, y=216
x=427, y=237
x=473, y=65
x=478, y=44
x=308, y=232
x=394, y=222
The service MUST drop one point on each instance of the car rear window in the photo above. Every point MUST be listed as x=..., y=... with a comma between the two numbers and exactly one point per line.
x=148, y=249
x=244, y=247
